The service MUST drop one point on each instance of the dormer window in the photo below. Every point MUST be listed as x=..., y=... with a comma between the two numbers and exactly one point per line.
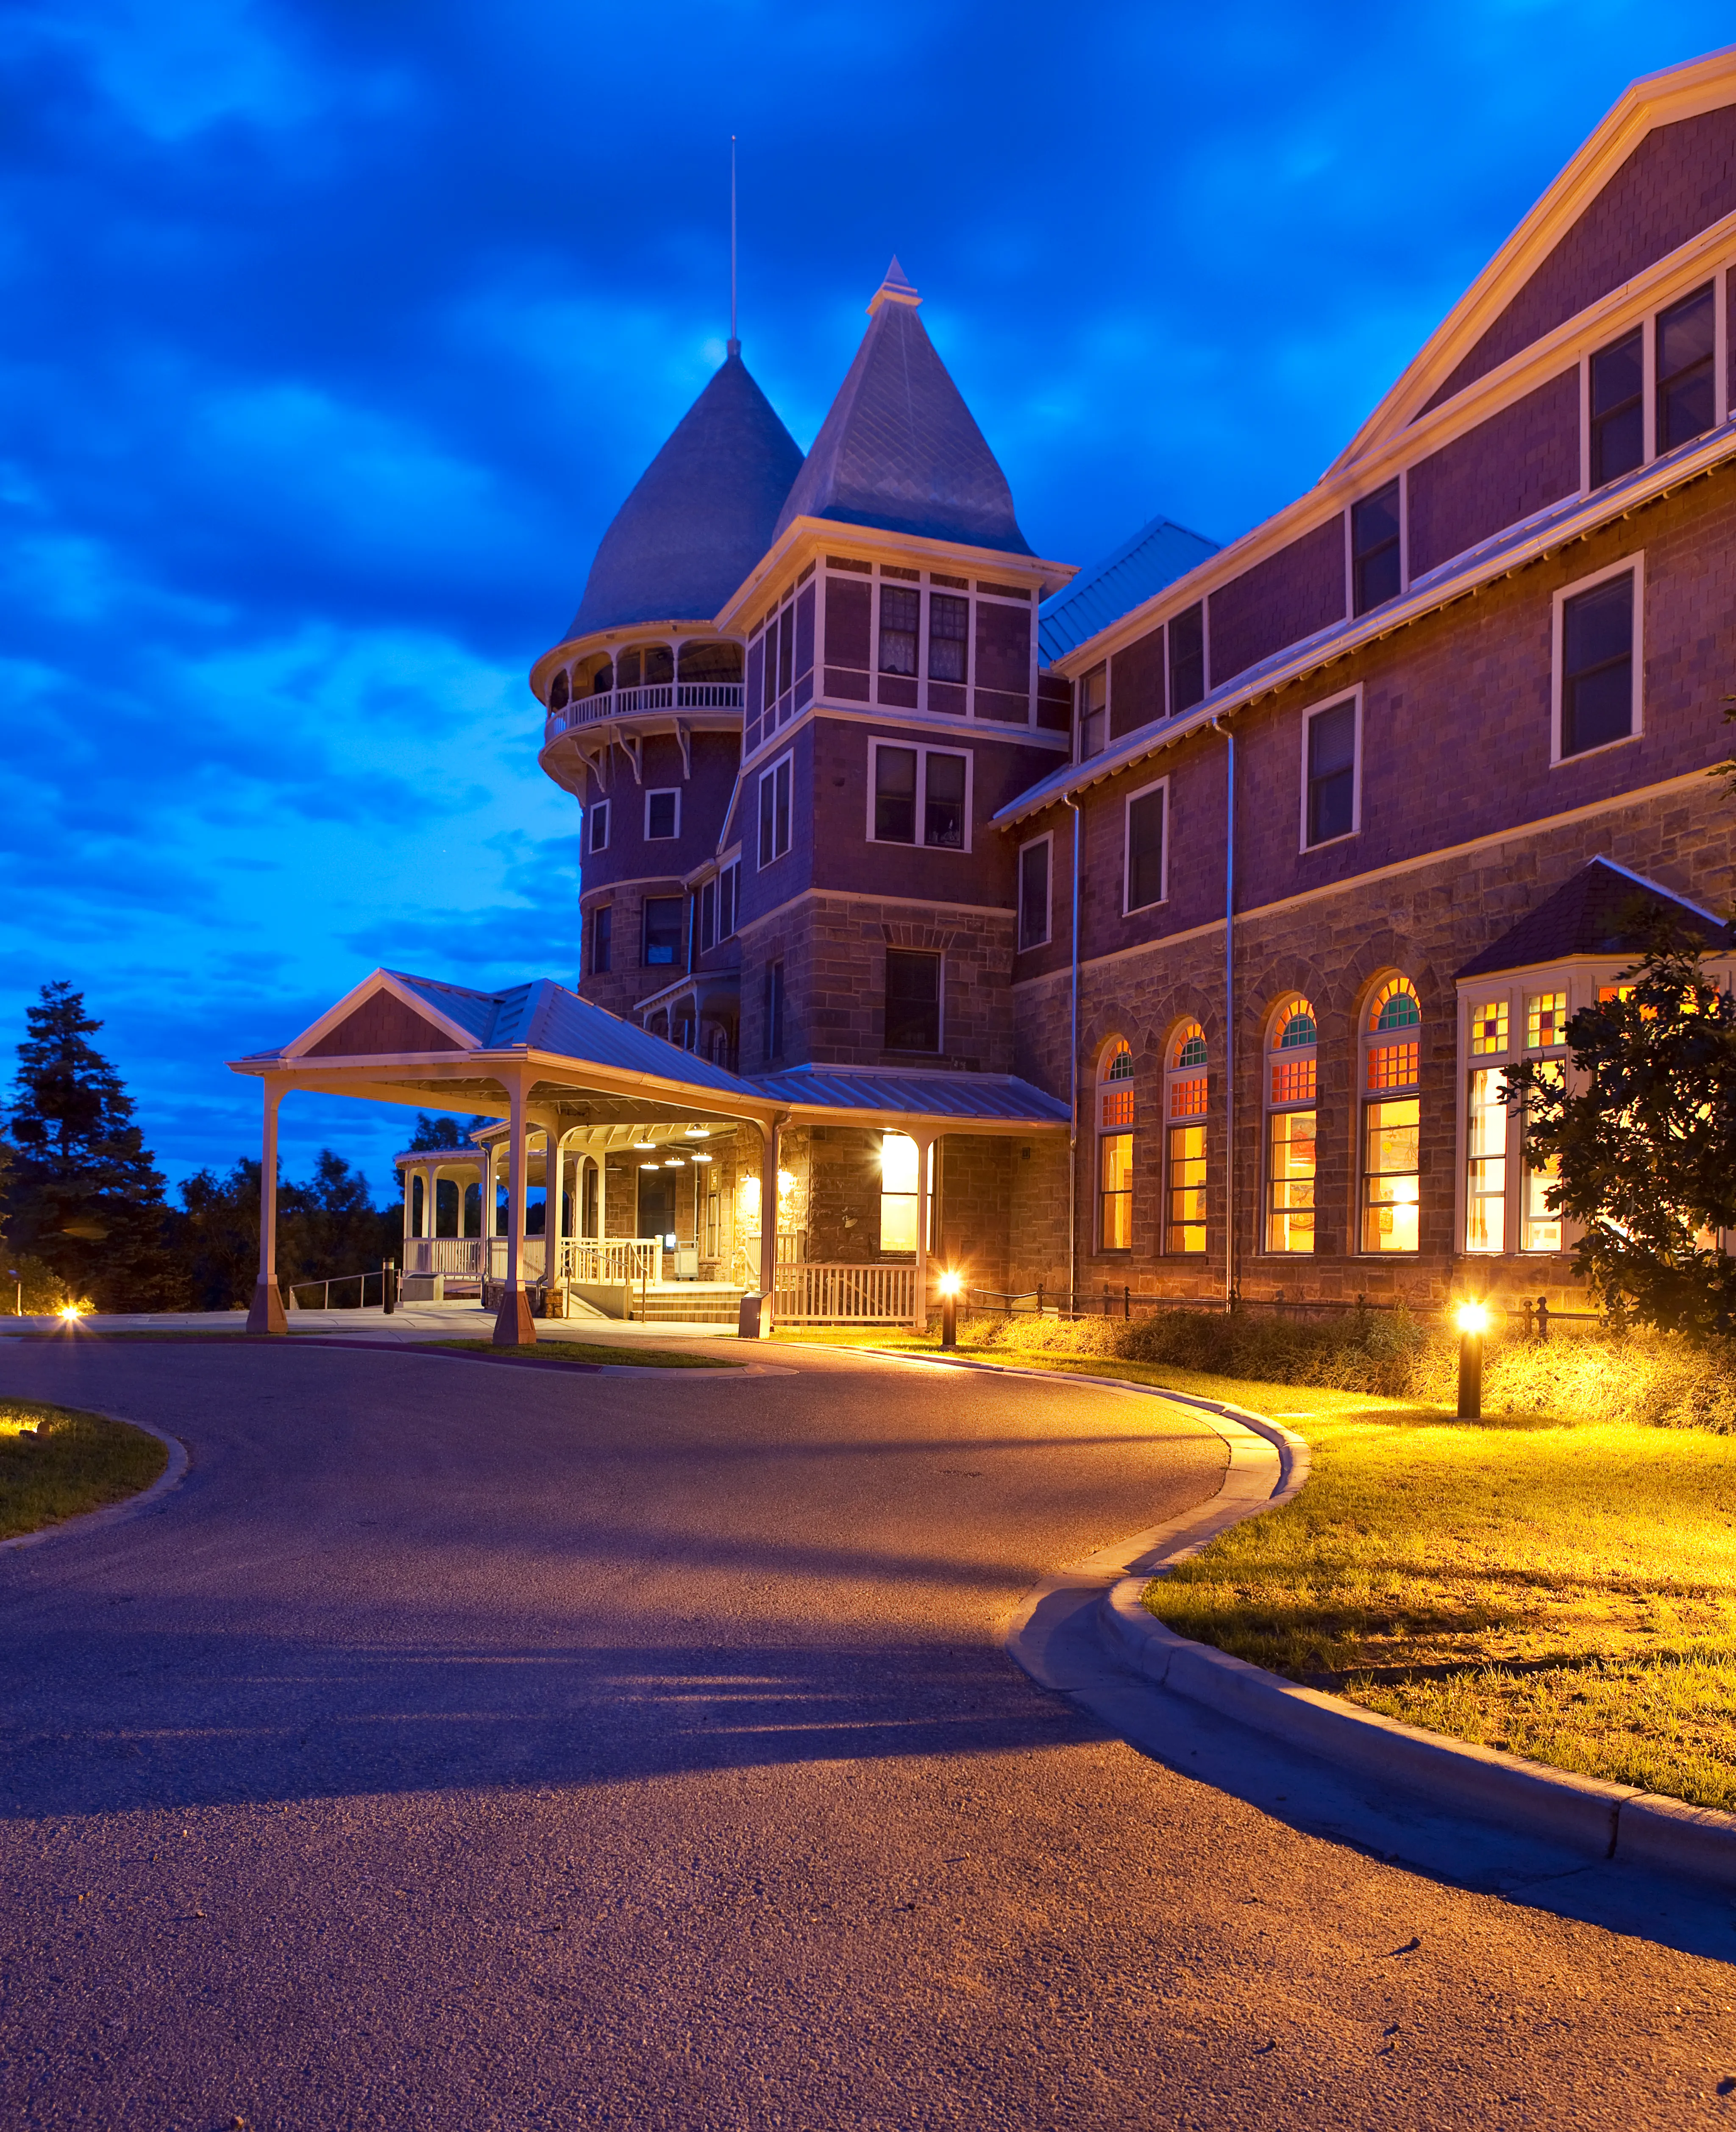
x=1618, y=410
x=1093, y=712
x=1186, y=659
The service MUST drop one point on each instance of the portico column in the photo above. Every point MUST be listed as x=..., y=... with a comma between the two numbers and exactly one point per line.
x=265, y=1313
x=513, y=1323
x=409, y=1186
x=919, y=1307
x=756, y=1319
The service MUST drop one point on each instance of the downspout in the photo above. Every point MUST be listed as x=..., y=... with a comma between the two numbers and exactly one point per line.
x=1072, y=1135
x=1220, y=725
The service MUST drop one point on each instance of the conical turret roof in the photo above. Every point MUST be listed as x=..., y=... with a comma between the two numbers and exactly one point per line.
x=900, y=448
x=701, y=516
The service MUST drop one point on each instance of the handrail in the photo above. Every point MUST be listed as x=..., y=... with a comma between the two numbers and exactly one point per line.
x=652, y=696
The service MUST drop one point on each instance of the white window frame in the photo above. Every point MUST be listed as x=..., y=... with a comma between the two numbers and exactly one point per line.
x=1402, y=478
x=1103, y=666
x=596, y=828
x=1352, y=695
x=787, y=761
x=921, y=752
x=1635, y=563
x=1021, y=946
x=1682, y=284
x=1158, y=784
x=662, y=792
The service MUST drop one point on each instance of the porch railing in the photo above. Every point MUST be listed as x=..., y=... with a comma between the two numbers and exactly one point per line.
x=530, y=1263
x=617, y=1259
x=813, y=1295
x=449, y=1254
x=654, y=696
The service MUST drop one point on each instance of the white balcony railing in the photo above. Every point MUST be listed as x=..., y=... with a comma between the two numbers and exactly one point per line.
x=845, y=1294
x=453, y=1255
x=629, y=1259
x=657, y=696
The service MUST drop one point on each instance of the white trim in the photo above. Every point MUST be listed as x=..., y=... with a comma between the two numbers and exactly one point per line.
x=1404, y=530
x=955, y=724
x=662, y=792
x=597, y=818
x=1720, y=347
x=1647, y=325
x=787, y=761
x=380, y=981
x=1157, y=785
x=1634, y=563
x=1021, y=946
x=1350, y=695
x=921, y=750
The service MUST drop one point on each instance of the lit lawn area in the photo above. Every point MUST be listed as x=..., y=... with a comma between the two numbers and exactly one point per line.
x=590, y=1352
x=1564, y=1591
x=55, y=1462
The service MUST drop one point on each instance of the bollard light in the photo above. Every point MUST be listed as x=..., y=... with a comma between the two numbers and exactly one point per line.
x=950, y=1284
x=1473, y=1322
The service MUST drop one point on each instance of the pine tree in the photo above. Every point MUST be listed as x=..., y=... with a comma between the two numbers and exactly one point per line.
x=83, y=1193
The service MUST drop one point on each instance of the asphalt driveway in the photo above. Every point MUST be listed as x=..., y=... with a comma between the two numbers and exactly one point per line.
x=463, y=1746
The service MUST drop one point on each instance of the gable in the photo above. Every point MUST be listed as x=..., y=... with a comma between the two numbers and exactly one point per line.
x=1680, y=180
x=380, y=1025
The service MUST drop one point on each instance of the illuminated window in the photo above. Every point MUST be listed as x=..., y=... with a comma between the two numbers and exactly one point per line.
x=1290, y=1129
x=1546, y=1020
x=1605, y=992
x=1540, y=1226
x=1115, y=1224
x=898, y=1164
x=1118, y=1089
x=1184, y=1228
x=1488, y=1028
x=1485, y=1228
x=1392, y=1127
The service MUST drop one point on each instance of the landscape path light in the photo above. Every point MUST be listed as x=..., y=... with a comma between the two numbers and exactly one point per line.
x=1473, y=1322
x=950, y=1284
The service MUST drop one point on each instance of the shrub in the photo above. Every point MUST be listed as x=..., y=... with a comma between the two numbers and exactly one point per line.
x=1650, y=1377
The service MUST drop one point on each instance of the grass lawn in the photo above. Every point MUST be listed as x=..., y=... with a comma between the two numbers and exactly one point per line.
x=55, y=1461
x=581, y=1351
x=1564, y=1591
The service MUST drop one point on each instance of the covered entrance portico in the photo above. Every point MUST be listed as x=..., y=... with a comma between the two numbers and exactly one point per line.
x=567, y=1080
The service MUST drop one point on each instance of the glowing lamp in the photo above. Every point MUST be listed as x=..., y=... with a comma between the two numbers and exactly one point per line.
x=70, y=1311
x=1472, y=1318
x=950, y=1284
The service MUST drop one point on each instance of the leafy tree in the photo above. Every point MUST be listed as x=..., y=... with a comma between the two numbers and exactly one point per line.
x=83, y=1193
x=1642, y=1134
x=443, y=1131
x=327, y=1226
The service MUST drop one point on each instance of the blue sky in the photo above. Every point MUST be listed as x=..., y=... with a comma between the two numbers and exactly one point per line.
x=332, y=335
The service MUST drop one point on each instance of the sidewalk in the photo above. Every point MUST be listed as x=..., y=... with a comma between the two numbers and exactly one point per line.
x=408, y=1324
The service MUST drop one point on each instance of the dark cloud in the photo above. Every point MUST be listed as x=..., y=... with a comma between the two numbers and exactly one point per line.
x=334, y=335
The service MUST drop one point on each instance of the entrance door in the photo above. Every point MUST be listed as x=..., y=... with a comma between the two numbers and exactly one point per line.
x=657, y=1203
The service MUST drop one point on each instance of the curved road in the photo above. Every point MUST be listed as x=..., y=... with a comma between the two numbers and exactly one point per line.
x=468, y=1747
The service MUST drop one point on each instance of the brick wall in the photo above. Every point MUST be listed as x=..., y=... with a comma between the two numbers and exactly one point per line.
x=1286, y=597
x=1136, y=686
x=1524, y=457
x=1679, y=181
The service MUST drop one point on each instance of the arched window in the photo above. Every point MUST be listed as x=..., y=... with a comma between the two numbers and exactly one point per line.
x=1290, y=1127
x=1392, y=1052
x=1184, y=1110
x=1115, y=1149
x=560, y=690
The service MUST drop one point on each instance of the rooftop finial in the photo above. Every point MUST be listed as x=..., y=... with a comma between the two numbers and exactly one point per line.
x=734, y=340
x=897, y=288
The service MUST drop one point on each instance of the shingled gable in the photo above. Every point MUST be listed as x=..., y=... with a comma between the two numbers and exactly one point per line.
x=1657, y=173
x=382, y=1017
x=1595, y=912
x=900, y=448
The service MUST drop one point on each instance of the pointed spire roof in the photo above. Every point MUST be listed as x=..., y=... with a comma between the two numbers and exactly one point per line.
x=701, y=514
x=900, y=448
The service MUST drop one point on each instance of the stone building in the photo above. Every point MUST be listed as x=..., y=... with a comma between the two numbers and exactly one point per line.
x=1223, y=883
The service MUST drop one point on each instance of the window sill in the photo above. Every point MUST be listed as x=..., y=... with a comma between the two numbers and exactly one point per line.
x=1326, y=844
x=1603, y=747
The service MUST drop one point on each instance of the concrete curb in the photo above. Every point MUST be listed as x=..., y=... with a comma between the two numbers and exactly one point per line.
x=1602, y=1820
x=113, y=1514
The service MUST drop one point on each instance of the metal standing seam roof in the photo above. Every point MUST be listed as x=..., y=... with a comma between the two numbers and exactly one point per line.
x=900, y=448
x=701, y=514
x=1474, y=566
x=992, y=1097
x=1159, y=553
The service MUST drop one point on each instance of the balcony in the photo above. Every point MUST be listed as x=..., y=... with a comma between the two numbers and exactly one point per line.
x=673, y=697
